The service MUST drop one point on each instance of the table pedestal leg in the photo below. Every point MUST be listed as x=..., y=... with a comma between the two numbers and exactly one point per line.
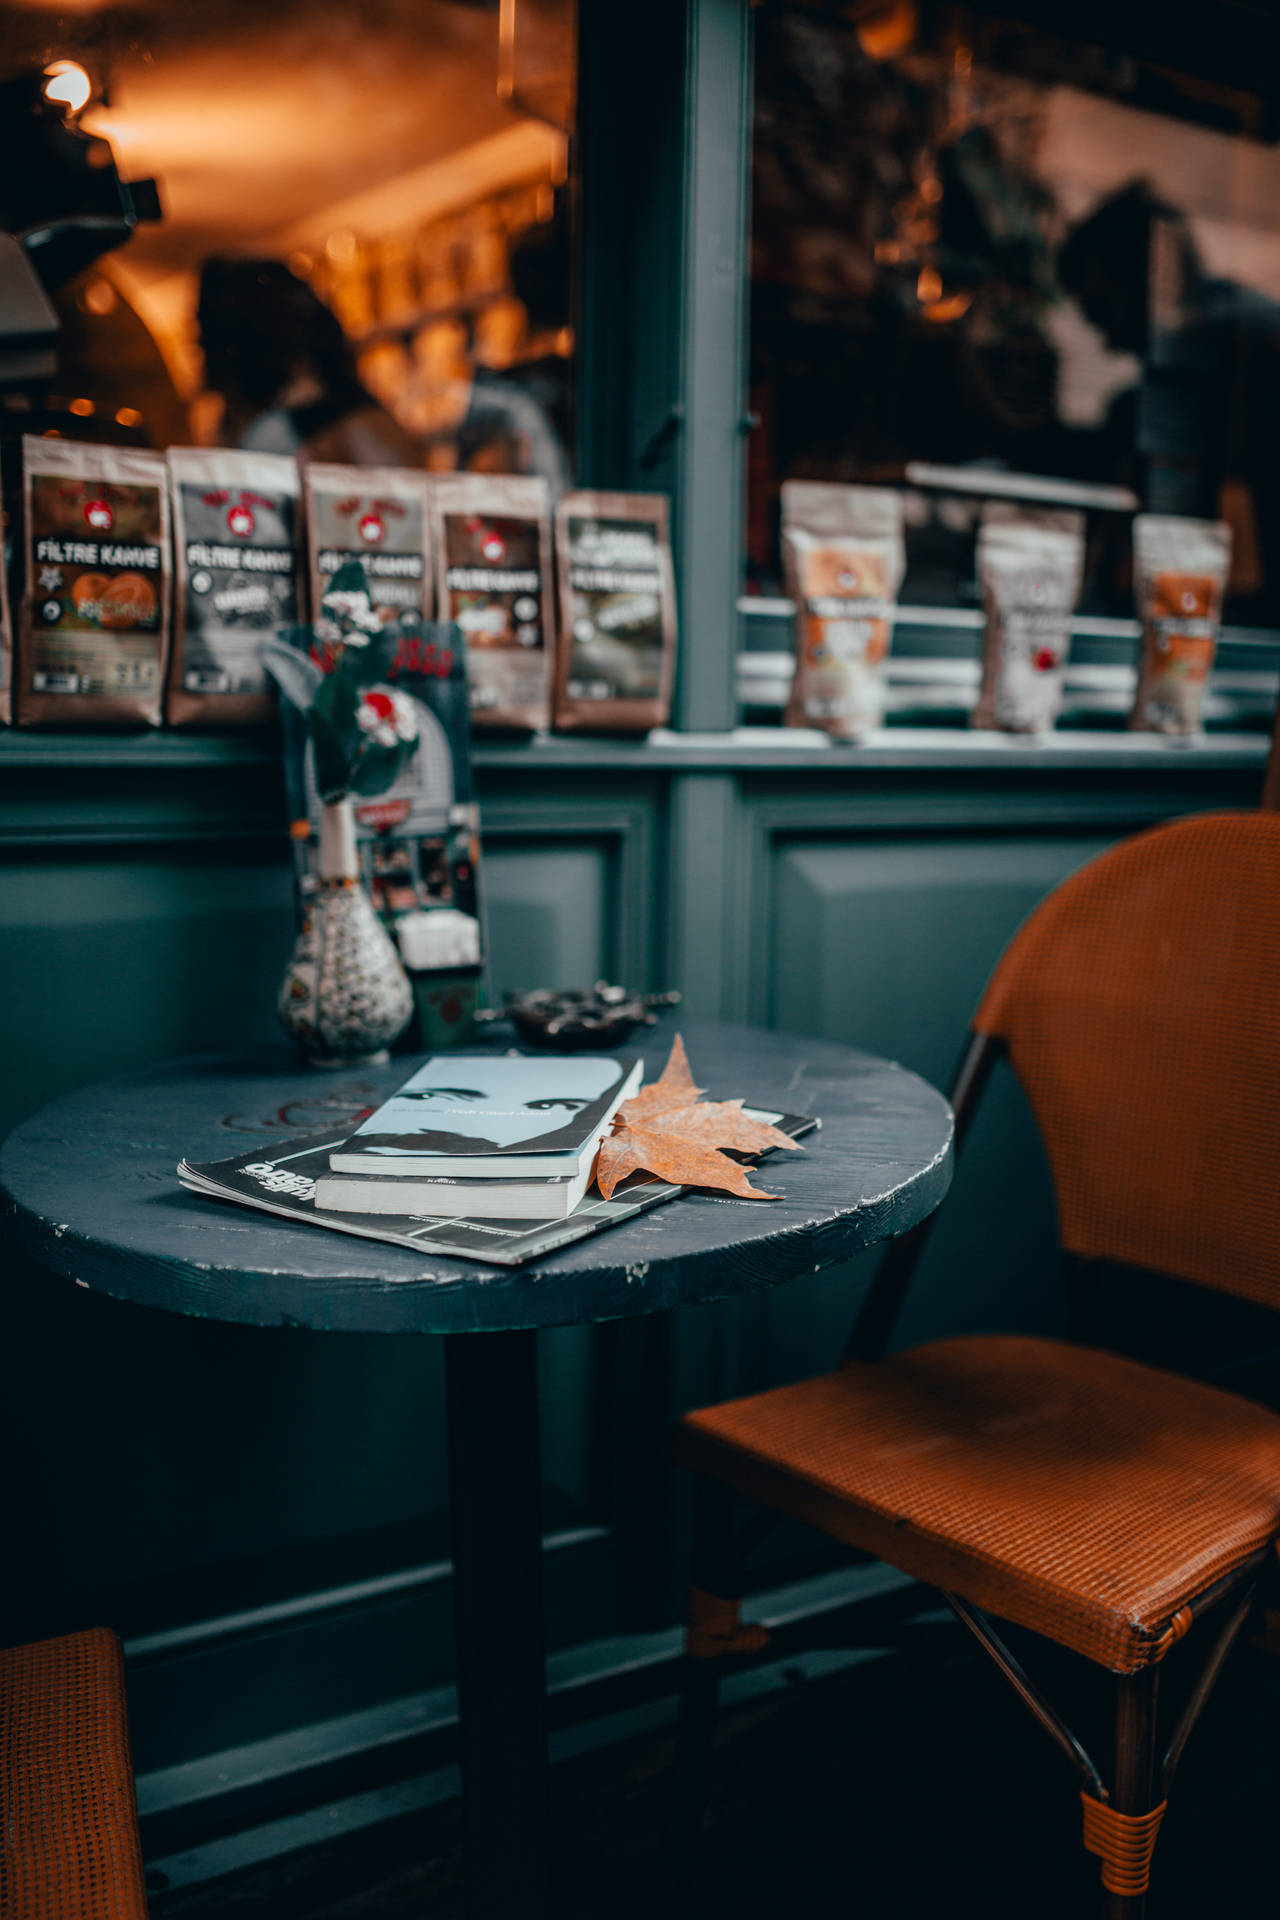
x=495, y=1488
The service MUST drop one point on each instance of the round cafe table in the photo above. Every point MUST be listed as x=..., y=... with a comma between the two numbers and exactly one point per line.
x=89, y=1192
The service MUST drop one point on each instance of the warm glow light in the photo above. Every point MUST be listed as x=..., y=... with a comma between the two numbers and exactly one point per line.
x=948, y=307
x=886, y=28
x=99, y=297
x=68, y=85
x=928, y=286
x=83, y=407
x=128, y=417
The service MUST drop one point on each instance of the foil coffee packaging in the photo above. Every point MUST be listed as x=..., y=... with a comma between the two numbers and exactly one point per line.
x=491, y=535
x=615, y=656
x=1029, y=570
x=235, y=532
x=94, y=626
x=378, y=516
x=843, y=559
x=1180, y=572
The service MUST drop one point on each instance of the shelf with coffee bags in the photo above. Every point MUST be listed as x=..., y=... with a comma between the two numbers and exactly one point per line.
x=933, y=670
x=927, y=733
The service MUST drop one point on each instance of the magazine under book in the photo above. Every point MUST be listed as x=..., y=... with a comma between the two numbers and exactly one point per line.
x=282, y=1180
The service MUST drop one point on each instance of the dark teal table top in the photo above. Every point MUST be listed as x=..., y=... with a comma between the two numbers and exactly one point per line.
x=90, y=1192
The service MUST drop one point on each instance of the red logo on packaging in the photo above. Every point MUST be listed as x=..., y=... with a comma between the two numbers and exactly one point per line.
x=240, y=521
x=371, y=528
x=493, y=547
x=99, y=516
x=383, y=813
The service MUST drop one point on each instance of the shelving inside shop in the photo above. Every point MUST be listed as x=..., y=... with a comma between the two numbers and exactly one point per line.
x=933, y=668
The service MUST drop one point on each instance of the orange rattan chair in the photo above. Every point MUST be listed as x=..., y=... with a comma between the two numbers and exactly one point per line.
x=68, y=1818
x=1270, y=796
x=1104, y=1504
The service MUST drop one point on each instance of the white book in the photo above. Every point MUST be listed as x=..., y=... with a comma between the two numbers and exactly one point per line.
x=489, y=1198
x=481, y=1115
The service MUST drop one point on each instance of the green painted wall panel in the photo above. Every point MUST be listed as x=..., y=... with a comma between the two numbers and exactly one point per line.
x=549, y=919
x=119, y=956
x=887, y=943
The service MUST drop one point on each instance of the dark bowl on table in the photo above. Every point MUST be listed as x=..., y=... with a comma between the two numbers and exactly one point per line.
x=580, y=1019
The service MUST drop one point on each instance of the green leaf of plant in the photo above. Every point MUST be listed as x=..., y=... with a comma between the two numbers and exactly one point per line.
x=379, y=767
x=366, y=665
x=294, y=672
x=331, y=757
x=350, y=578
x=336, y=700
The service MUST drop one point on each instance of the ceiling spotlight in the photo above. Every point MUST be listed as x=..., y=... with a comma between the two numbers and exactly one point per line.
x=68, y=85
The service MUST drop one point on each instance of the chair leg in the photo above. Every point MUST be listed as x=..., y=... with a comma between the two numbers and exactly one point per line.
x=713, y=1575
x=1134, y=1774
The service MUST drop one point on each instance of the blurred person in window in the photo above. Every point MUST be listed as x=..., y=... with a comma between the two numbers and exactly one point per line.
x=1196, y=434
x=517, y=415
x=492, y=394
x=286, y=372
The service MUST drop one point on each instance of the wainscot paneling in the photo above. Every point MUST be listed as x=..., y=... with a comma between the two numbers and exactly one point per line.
x=262, y=1513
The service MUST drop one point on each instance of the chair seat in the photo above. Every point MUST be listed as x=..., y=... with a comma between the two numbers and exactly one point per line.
x=1071, y=1491
x=69, y=1835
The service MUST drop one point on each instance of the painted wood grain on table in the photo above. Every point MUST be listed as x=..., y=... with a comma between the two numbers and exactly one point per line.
x=90, y=1192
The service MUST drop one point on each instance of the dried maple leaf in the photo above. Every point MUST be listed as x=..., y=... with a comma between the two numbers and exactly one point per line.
x=673, y=1088
x=665, y=1131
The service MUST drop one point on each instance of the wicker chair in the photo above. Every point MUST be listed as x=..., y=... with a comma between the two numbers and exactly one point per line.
x=1271, y=778
x=69, y=1832
x=1104, y=1504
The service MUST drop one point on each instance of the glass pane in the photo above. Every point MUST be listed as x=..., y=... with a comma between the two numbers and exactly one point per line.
x=983, y=248
x=357, y=241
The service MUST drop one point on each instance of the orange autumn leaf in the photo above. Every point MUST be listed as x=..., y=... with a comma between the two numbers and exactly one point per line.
x=665, y=1131
x=722, y=1123
x=672, y=1089
x=658, y=1151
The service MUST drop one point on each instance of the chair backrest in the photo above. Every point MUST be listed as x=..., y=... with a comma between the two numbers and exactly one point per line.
x=1140, y=1008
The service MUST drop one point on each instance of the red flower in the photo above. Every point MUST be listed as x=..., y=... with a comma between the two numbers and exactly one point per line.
x=1044, y=659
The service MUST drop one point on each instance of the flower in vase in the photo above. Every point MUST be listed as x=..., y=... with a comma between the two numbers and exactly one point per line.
x=363, y=732
x=354, y=614
x=387, y=717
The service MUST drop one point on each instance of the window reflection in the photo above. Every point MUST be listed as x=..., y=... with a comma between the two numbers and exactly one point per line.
x=363, y=251
x=983, y=248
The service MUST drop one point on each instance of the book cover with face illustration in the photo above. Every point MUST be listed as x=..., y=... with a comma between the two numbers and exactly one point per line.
x=485, y=1104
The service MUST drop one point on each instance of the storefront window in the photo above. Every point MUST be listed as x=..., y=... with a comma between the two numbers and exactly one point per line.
x=988, y=261
x=356, y=246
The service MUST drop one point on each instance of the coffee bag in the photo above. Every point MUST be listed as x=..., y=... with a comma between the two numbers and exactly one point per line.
x=615, y=654
x=843, y=560
x=491, y=534
x=94, y=625
x=235, y=518
x=378, y=516
x=1180, y=572
x=1029, y=570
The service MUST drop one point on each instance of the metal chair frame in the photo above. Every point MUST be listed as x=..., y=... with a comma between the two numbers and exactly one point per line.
x=1140, y=1773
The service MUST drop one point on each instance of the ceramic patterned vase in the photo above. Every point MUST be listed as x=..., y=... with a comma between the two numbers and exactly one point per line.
x=345, y=996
